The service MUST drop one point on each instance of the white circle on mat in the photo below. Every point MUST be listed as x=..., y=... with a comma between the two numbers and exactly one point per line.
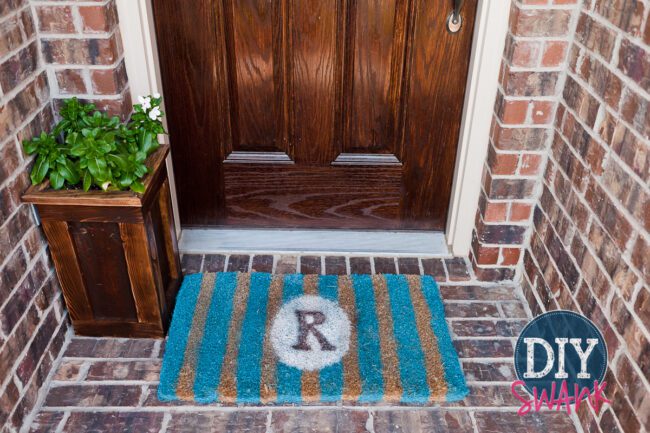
x=310, y=332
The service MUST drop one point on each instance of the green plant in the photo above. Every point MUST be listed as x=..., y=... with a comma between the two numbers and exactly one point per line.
x=88, y=148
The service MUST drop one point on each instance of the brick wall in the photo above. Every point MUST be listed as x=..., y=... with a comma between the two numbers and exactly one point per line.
x=530, y=86
x=32, y=325
x=589, y=247
x=48, y=51
x=82, y=51
x=574, y=96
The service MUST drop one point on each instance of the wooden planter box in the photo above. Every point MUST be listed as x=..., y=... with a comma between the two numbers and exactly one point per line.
x=115, y=253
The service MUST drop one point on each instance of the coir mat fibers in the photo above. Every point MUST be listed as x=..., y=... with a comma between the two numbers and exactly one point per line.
x=263, y=338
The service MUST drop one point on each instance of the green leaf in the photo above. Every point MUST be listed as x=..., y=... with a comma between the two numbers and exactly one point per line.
x=68, y=172
x=140, y=156
x=138, y=187
x=141, y=170
x=88, y=180
x=119, y=160
x=56, y=180
x=126, y=181
x=40, y=169
x=97, y=167
x=30, y=146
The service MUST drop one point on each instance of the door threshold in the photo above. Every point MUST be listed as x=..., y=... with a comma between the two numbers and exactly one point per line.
x=347, y=242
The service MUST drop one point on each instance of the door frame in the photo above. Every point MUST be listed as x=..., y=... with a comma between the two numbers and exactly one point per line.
x=491, y=26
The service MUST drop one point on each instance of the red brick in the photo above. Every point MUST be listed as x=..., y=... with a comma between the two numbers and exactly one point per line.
x=71, y=82
x=595, y=36
x=529, y=83
x=542, y=112
x=124, y=370
x=361, y=265
x=634, y=61
x=513, y=112
x=554, y=53
x=532, y=422
x=520, y=212
x=120, y=107
x=495, y=212
x=109, y=81
x=484, y=348
x=335, y=265
x=310, y=265
x=145, y=422
x=384, y=265
x=581, y=101
x=100, y=51
x=522, y=53
x=502, y=163
x=539, y=22
x=634, y=109
x=238, y=263
x=286, y=265
x=517, y=189
x=605, y=83
x=261, y=263
x=625, y=14
x=433, y=267
x=472, y=309
x=486, y=255
x=23, y=105
x=510, y=256
x=191, y=263
x=457, y=269
x=55, y=19
x=16, y=69
x=98, y=18
x=11, y=35
x=641, y=257
x=109, y=348
x=520, y=138
x=530, y=164
x=408, y=265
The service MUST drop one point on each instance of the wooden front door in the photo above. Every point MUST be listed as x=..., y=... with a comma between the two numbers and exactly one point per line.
x=313, y=113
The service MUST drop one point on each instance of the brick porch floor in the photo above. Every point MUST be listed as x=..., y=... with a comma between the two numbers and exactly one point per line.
x=109, y=385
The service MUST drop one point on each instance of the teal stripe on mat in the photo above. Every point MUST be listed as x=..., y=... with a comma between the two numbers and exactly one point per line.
x=415, y=388
x=289, y=379
x=252, y=340
x=456, y=387
x=215, y=338
x=370, y=368
x=331, y=377
x=178, y=333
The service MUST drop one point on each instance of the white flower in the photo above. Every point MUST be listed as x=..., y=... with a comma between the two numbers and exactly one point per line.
x=155, y=113
x=145, y=102
x=105, y=185
x=156, y=95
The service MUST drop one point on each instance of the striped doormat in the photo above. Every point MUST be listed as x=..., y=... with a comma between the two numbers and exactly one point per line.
x=289, y=339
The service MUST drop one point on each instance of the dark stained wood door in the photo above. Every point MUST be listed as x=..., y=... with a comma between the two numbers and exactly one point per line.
x=313, y=113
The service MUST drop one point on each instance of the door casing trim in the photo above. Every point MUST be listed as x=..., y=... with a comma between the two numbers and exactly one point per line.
x=490, y=28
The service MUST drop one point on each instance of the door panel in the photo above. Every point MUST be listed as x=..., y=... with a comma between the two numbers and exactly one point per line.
x=374, y=87
x=313, y=113
x=326, y=197
x=254, y=102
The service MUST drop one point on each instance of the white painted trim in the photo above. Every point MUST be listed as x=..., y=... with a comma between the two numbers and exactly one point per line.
x=142, y=67
x=482, y=83
x=141, y=59
x=348, y=242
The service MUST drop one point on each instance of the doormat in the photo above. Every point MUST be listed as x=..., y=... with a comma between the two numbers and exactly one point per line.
x=290, y=339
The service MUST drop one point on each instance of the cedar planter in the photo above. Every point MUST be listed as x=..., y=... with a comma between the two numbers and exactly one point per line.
x=115, y=253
